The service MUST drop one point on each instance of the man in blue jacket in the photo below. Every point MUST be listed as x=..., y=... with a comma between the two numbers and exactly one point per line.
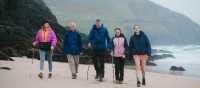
x=99, y=40
x=72, y=47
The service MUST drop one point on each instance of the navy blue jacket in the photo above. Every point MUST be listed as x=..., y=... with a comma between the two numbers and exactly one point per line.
x=139, y=44
x=99, y=38
x=72, y=43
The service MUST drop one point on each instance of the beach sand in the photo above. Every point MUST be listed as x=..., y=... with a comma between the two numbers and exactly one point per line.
x=23, y=74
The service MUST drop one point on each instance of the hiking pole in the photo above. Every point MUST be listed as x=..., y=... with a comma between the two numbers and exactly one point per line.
x=113, y=67
x=90, y=57
x=88, y=68
x=33, y=52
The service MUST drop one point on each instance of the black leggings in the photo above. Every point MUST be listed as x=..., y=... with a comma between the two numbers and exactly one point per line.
x=119, y=68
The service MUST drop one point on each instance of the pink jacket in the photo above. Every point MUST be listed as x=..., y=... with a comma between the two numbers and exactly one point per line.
x=119, y=45
x=50, y=37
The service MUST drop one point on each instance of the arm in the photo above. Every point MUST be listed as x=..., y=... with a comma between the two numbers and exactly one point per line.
x=53, y=39
x=112, y=44
x=131, y=45
x=80, y=41
x=36, y=40
x=148, y=45
x=65, y=42
x=108, y=39
x=90, y=38
x=126, y=46
x=125, y=43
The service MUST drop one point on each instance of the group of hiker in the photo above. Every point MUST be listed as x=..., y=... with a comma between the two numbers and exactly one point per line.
x=99, y=41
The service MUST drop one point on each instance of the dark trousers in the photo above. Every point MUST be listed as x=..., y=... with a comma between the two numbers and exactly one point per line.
x=98, y=60
x=119, y=68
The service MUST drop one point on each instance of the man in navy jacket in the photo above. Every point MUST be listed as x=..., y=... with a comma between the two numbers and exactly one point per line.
x=72, y=47
x=99, y=41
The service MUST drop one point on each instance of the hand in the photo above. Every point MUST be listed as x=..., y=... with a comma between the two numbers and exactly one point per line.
x=52, y=48
x=111, y=53
x=123, y=56
x=89, y=45
x=108, y=50
x=34, y=43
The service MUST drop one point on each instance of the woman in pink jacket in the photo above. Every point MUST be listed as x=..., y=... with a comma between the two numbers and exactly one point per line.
x=46, y=40
x=119, y=45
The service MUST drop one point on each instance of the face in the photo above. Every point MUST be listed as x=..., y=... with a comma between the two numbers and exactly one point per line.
x=98, y=24
x=136, y=30
x=117, y=32
x=72, y=26
x=46, y=25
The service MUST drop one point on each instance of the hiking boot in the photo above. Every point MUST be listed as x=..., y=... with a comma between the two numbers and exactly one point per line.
x=120, y=82
x=100, y=79
x=117, y=81
x=138, y=84
x=74, y=76
x=96, y=77
x=143, y=81
x=50, y=75
x=40, y=75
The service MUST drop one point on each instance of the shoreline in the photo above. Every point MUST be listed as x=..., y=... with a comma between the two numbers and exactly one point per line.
x=149, y=68
x=23, y=74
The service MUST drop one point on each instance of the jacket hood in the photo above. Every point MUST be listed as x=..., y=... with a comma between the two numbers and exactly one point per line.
x=94, y=27
x=49, y=29
x=141, y=34
x=121, y=35
x=68, y=29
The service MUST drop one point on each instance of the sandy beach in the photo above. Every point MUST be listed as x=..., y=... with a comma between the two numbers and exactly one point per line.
x=23, y=74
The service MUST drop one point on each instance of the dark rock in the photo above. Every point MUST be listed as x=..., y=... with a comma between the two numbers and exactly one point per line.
x=162, y=56
x=5, y=68
x=151, y=63
x=3, y=56
x=10, y=51
x=176, y=68
x=161, y=51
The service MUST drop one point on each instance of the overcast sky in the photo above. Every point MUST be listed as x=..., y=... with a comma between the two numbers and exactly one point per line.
x=190, y=8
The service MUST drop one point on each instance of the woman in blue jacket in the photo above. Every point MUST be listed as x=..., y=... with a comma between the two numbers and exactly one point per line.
x=140, y=49
x=72, y=48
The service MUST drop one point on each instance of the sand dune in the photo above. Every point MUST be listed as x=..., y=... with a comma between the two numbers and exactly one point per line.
x=24, y=75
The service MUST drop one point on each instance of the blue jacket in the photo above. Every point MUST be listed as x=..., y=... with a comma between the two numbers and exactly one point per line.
x=99, y=38
x=139, y=44
x=72, y=43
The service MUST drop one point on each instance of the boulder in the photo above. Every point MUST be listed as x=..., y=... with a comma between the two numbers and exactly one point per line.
x=3, y=56
x=177, y=68
x=162, y=56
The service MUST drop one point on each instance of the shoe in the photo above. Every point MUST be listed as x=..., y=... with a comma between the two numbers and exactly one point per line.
x=96, y=77
x=100, y=79
x=74, y=76
x=143, y=81
x=117, y=81
x=120, y=82
x=50, y=75
x=138, y=84
x=40, y=75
